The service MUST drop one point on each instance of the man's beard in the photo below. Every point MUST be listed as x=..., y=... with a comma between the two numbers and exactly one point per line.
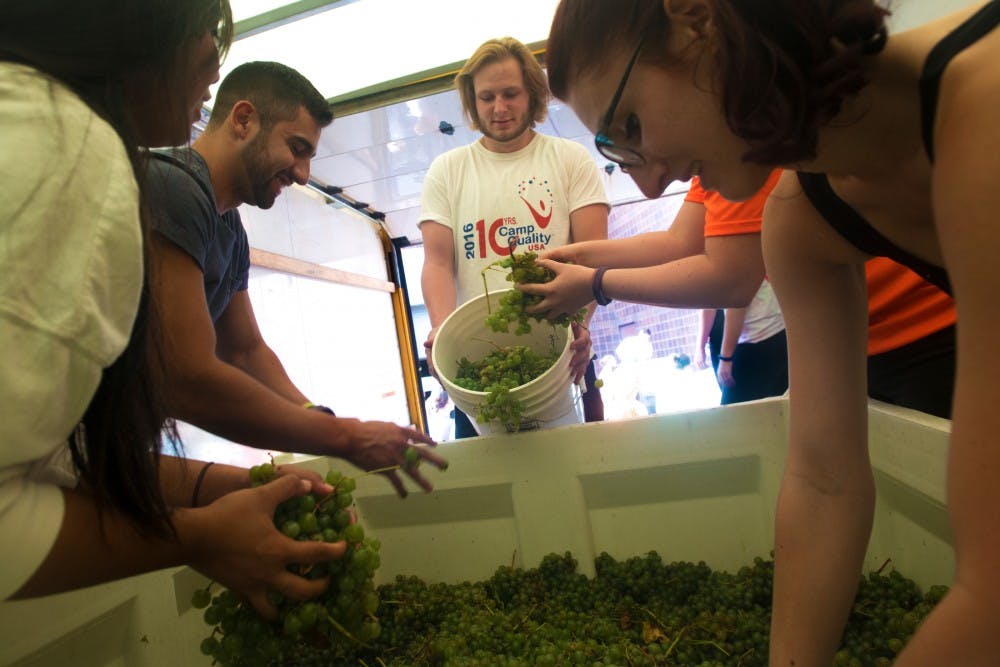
x=260, y=176
x=508, y=135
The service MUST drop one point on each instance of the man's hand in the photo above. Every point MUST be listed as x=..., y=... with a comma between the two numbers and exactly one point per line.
x=581, y=350
x=384, y=445
x=428, y=348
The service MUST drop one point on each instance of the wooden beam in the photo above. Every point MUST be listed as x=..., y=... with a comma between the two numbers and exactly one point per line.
x=298, y=267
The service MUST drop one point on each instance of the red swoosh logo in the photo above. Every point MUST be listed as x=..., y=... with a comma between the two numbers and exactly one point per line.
x=541, y=220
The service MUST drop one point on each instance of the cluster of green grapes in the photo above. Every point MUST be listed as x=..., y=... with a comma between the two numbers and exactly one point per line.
x=522, y=269
x=344, y=614
x=639, y=611
x=502, y=370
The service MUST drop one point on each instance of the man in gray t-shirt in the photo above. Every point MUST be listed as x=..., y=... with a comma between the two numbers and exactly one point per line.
x=221, y=375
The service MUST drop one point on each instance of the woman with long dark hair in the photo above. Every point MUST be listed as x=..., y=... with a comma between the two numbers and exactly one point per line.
x=892, y=149
x=85, y=496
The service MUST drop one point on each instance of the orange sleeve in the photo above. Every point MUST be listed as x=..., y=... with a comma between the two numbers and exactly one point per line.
x=726, y=218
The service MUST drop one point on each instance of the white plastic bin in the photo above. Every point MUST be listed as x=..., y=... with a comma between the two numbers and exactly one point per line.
x=693, y=486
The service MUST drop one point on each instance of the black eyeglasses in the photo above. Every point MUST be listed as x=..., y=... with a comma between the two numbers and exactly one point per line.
x=620, y=155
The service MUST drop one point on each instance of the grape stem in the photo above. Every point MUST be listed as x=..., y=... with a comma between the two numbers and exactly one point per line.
x=709, y=642
x=673, y=644
x=344, y=631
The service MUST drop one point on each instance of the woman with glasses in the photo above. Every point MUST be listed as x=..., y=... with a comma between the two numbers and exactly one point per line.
x=891, y=148
x=85, y=496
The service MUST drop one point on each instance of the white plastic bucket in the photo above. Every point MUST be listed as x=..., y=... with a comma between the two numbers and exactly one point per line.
x=549, y=400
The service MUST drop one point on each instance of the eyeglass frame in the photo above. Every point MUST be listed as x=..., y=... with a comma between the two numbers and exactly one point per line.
x=601, y=140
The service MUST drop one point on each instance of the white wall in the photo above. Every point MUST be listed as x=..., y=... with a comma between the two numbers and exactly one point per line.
x=910, y=13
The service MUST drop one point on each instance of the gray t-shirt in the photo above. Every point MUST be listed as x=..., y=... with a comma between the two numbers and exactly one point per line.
x=182, y=208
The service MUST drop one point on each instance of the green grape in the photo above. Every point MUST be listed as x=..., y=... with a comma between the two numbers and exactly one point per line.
x=291, y=528
x=308, y=523
x=209, y=646
x=342, y=519
x=411, y=458
x=201, y=598
x=307, y=503
x=354, y=533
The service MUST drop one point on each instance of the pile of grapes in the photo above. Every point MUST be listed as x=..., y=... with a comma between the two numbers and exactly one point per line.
x=640, y=611
x=522, y=269
x=503, y=369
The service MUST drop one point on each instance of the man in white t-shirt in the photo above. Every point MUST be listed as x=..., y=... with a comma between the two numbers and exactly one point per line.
x=512, y=186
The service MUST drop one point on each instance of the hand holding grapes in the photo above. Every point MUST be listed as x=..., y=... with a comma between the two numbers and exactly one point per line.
x=241, y=549
x=569, y=291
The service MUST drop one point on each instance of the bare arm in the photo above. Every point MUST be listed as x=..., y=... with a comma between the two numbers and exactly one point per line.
x=232, y=541
x=735, y=317
x=705, y=321
x=239, y=343
x=963, y=627
x=685, y=237
x=826, y=501
x=223, y=399
x=437, y=280
x=727, y=274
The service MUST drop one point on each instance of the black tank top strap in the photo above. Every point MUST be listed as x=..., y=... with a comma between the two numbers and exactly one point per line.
x=978, y=25
x=858, y=232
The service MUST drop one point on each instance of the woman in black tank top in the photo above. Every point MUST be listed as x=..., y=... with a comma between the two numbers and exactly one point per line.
x=892, y=146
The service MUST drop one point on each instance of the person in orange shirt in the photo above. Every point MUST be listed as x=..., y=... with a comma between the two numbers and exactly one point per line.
x=710, y=257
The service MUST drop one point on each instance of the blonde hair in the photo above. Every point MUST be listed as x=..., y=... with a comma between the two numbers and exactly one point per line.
x=495, y=50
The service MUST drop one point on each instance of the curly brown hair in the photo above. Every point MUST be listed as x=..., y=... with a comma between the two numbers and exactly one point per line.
x=784, y=67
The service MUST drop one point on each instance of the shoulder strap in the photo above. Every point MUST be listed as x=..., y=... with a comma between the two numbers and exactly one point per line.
x=858, y=232
x=955, y=42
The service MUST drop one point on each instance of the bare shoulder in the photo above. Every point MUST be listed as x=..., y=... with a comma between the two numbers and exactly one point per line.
x=793, y=227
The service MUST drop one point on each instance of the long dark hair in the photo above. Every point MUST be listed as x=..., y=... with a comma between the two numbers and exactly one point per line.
x=784, y=67
x=95, y=48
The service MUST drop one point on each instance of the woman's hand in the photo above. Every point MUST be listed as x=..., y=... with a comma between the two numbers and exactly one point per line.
x=235, y=543
x=319, y=485
x=566, y=294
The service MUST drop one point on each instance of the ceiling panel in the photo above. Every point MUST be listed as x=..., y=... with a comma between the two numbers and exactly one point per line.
x=358, y=45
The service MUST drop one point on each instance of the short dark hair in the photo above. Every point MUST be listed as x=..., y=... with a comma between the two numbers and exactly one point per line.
x=276, y=90
x=785, y=67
